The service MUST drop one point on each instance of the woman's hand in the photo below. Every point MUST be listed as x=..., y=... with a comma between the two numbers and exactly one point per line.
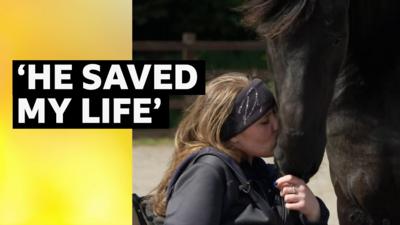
x=299, y=197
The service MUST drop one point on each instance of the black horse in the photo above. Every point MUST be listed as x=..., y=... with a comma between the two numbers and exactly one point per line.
x=337, y=76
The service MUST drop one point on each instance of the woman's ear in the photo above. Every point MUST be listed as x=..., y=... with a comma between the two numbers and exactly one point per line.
x=234, y=140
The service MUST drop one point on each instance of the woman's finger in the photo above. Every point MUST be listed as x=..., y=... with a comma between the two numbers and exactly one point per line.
x=298, y=206
x=288, y=179
x=289, y=190
x=292, y=198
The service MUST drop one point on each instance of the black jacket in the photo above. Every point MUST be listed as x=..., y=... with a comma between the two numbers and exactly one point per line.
x=207, y=193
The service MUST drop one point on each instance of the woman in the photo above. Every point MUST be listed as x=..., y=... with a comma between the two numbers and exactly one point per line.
x=237, y=117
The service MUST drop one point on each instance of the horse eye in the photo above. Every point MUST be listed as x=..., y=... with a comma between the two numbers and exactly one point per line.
x=328, y=22
x=337, y=41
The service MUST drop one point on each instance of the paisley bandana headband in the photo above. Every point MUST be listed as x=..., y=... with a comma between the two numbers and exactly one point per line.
x=250, y=105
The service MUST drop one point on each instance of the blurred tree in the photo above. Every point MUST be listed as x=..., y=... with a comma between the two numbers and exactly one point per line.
x=168, y=19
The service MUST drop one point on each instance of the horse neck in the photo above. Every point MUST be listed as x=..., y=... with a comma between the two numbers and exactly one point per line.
x=370, y=78
x=374, y=41
x=373, y=25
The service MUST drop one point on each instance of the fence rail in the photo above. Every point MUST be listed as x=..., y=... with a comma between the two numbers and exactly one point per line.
x=189, y=45
x=158, y=46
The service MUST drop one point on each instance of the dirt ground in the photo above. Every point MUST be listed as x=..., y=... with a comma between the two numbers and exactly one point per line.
x=149, y=163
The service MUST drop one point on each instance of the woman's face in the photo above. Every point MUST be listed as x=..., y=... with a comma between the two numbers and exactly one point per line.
x=259, y=139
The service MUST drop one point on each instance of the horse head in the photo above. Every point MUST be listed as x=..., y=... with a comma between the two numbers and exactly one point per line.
x=307, y=44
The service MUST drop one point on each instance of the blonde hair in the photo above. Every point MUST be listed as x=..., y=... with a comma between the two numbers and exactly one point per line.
x=201, y=127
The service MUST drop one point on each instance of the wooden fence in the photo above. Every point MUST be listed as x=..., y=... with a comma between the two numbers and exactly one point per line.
x=189, y=45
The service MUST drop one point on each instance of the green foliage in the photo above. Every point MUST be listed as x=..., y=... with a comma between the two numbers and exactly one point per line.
x=174, y=117
x=168, y=19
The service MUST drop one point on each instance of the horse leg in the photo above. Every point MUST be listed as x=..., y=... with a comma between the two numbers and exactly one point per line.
x=348, y=212
x=361, y=165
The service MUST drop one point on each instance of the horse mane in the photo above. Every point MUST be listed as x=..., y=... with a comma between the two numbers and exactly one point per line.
x=271, y=18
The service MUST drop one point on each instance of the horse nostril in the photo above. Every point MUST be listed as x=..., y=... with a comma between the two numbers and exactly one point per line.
x=353, y=217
